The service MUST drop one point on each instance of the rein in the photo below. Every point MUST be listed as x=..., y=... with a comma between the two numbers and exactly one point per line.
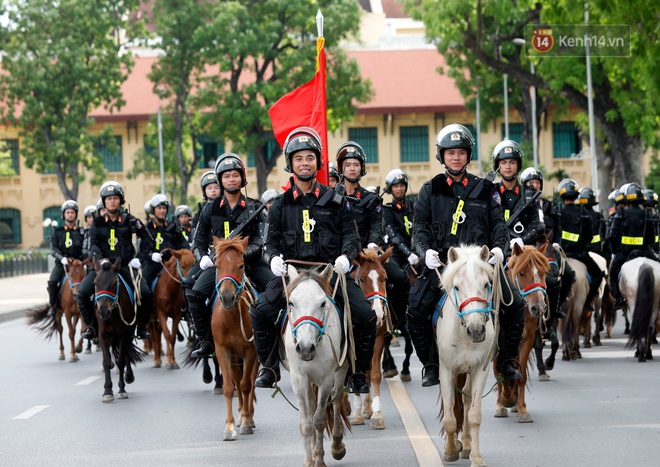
x=178, y=269
x=248, y=298
x=114, y=297
x=531, y=288
x=487, y=310
x=69, y=279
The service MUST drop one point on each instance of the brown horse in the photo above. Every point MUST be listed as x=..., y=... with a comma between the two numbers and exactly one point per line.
x=116, y=316
x=168, y=302
x=232, y=333
x=372, y=278
x=527, y=268
x=67, y=307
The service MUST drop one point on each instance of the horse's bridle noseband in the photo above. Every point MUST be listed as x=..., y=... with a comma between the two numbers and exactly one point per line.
x=487, y=310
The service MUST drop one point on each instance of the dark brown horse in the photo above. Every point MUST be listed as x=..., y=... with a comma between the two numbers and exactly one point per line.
x=116, y=316
x=232, y=333
x=168, y=302
x=527, y=268
x=372, y=278
x=67, y=307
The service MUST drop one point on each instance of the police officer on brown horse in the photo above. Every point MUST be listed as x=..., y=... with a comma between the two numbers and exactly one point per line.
x=459, y=208
x=309, y=223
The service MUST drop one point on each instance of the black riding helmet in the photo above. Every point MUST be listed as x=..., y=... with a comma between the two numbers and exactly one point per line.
x=394, y=177
x=90, y=210
x=181, y=210
x=633, y=194
x=111, y=188
x=333, y=172
x=650, y=198
x=352, y=150
x=454, y=136
x=507, y=149
x=230, y=161
x=207, y=178
x=530, y=173
x=69, y=204
x=568, y=189
x=300, y=139
x=587, y=196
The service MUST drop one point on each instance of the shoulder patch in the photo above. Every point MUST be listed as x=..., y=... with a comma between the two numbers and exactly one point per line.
x=496, y=197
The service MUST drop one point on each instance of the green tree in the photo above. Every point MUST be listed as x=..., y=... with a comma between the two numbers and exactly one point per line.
x=625, y=108
x=62, y=59
x=264, y=49
x=5, y=161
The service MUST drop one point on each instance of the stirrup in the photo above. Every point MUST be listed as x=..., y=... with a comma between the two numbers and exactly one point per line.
x=267, y=377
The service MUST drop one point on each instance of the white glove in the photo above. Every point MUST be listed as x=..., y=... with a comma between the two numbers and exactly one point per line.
x=156, y=257
x=516, y=241
x=342, y=264
x=277, y=266
x=64, y=261
x=413, y=259
x=205, y=263
x=373, y=246
x=432, y=261
x=496, y=253
x=135, y=263
x=555, y=246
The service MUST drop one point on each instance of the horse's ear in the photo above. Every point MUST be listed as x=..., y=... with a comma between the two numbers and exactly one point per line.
x=385, y=256
x=97, y=265
x=452, y=255
x=117, y=266
x=246, y=240
x=544, y=247
x=517, y=249
x=484, y=253
x=327, y=273
x=292, y=272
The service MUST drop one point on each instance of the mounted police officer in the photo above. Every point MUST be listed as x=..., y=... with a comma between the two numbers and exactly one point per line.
x=111, y=237
x=398, y=219
x=633, y=229
x=458, y=208
x=267, y=198
x=651, y=204
x=210, y=191
x=220, y=218
x=333, y=175
x=308, y=222
x=576, y=234
x=588, y=198
x=182, y=217
x=165, y=235
x=66, y=242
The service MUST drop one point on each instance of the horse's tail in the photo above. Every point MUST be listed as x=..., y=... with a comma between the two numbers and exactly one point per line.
x=641, y=318
x=133, y=353
x=607, y=308
x=186, y=357
x=459, y=408
x=37, y=318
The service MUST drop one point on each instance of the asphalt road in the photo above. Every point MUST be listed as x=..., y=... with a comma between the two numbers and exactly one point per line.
x=598, y=411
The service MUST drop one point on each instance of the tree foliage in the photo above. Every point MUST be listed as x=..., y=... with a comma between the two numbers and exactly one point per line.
x=61, y=60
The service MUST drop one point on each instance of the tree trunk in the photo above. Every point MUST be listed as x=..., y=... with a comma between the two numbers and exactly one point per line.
x=627, y=152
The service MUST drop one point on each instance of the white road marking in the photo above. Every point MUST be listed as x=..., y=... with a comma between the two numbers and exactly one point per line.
x=87, y=381
x=29, y=413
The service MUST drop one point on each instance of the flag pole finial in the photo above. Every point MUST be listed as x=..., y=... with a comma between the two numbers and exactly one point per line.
x=319, y=23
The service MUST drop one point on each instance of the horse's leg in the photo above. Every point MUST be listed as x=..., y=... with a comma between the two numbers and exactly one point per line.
x=76, y=319
x=649, y=341
x=523, y=357
x=405, y=371
x=155, y=329
x=554, y=348
x=124, y=342
x=107, y=365
x=236, y=378
x=466, y=436
x=171, y=342
x=306, y=405
x=624, y=310
x=376, y=421
x=357, y=418
x=60, y=331
x=338, y=449
x=223, y=355
x=217, y=389
x=320, y=421
x=500, y=411
x=247, y=389
x=452, y=444
x=472, y=423
x=73, y=356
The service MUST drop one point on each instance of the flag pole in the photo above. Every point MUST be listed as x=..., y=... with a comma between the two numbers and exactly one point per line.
x=323, y=175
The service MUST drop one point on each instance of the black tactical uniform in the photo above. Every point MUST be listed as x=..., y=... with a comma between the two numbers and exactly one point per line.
x=434, y=229
x=289, y=235
x=114, y=239
x=66, y=242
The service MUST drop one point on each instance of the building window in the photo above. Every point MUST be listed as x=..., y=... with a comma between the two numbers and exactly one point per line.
x=368, y=139
x=112, y=160
x=271, y=148
x=515, y=132
x=475, y=148
x=11, y=146
x=10, y=227
x=414, y=143
x=566, y=140
x=52, y=218
x=208, y=149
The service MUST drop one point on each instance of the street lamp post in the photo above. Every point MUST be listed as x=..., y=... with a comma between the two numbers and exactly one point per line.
x=160, y=151
x=590, y=107
x=535, y=143
x=506, y=106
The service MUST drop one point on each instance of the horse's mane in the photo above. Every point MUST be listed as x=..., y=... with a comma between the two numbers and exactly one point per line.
x=369, y=255
x=187, y=258
x=306, y=275
x=529, y=258
x=467, y=253
x=227, y=244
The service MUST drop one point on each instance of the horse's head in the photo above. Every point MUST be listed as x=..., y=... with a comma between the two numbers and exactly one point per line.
x=76, y=271
x=180, y=262
x=309, y=303
x=527, y=268
x=467, y=279
x=371, y=276
x=106, y=286
x=230, y=269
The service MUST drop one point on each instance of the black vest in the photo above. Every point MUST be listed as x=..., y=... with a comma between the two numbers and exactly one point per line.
x=575, y=229
x=164, y=236
x=363, y=210
x=68, y=242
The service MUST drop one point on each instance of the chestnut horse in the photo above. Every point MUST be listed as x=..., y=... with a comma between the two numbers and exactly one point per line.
x=116, y=316
x=67, y=307
x=232, y=333
x=527, y=268
x=372, y=279
x=168, y=302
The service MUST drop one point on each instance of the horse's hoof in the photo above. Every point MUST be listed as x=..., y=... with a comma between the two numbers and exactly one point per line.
x=451, y=457
x=229, y=436
x=130, y=378
x=61, y=357
x=172, y=366
x=122, y=395
x=465, y=453
x=405, y=377
x=514, y=409
x=550, y=364
x=238, y=423
x=107, y=398
x=157, y=365
x=377, y=423
x=217, y=391
x=587, y=345
x=246, y=430
x=564, y=358
x=501, y=413
x=524, y=418
x=357, y=420
x=88, y=351
x=207, y=377
x=78, y=349
x=252, y=424
x=74, y=359
x=367, y=414
x=338, y=454
x=544, y=377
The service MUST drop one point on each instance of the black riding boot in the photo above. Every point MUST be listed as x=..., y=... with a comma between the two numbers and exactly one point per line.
x=87, y=313
x=202, y=320
x=506, y=359
x=427, y=352
x=265, y=339
x=53, y=295
x=364, y=351
x=554, y=290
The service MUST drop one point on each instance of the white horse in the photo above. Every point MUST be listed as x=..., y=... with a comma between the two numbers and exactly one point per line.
x=639, y=284
x=466, y=334
x=313, y=345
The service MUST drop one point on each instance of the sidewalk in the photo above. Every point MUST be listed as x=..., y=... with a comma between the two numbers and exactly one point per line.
x=18, y=294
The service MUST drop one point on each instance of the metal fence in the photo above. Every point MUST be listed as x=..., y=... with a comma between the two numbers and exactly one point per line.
x=23, y=264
